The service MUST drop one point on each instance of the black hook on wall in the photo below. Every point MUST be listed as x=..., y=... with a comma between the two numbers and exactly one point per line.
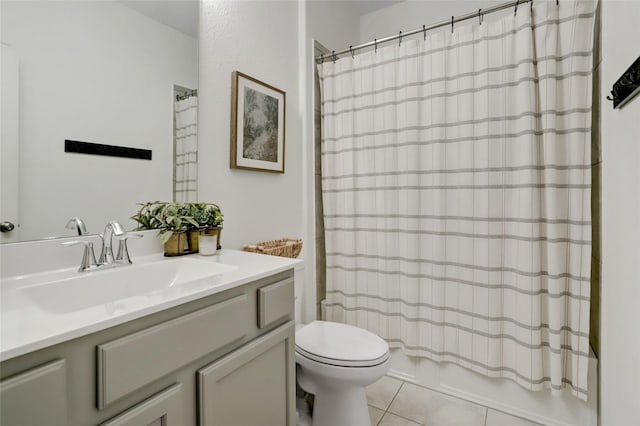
x=480, y=17
x=627, y=86
x=400, y=39
x=452, y=23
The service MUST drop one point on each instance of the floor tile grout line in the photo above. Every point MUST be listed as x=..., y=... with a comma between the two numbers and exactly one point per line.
x=396, y=414
x=402, y=382
x=406, y=418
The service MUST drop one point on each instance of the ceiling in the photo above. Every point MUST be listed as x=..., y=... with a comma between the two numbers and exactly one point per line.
x=181, y=15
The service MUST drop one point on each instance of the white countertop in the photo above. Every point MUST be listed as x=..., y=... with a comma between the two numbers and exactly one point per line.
x=26, y=327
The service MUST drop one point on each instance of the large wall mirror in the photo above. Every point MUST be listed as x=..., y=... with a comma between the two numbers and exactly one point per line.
x=104, y=72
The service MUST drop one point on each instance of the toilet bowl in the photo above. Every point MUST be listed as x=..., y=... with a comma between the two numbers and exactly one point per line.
x=335, y=363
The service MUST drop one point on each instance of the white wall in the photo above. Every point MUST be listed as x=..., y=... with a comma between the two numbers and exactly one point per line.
x=259, y=39
x=620, y=275
x=94, y=72
x=271, y=41
x=409, y=15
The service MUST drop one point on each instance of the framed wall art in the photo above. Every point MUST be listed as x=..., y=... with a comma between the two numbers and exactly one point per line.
x=257, y=125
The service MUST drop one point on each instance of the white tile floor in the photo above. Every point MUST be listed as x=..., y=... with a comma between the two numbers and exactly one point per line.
x=393, y=402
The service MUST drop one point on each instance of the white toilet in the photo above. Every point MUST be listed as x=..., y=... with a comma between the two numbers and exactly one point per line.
x=336, y=362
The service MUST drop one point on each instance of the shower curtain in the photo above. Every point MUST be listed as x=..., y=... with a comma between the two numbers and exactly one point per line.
x=456, y=185
x=186, y=150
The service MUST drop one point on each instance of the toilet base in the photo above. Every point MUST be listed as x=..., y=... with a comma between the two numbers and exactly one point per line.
x=344, y=407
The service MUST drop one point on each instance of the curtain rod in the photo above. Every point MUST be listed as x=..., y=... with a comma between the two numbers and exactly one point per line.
x=479, y=14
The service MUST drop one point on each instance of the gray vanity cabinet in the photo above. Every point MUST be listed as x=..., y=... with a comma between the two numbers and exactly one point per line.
x=35, y=397
x=163, y=409
x=225, y=359
x=253, y=385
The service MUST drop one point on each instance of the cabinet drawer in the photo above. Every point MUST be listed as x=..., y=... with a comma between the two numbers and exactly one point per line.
x=36, y=397
x=133, y=361
x=275, y=302
x=164, y=409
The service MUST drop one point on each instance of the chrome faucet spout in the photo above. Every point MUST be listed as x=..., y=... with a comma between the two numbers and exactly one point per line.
x=106, y=255
x=77, y=224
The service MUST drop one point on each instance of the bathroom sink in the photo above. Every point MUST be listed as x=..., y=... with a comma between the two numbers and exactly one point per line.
x=74, y=291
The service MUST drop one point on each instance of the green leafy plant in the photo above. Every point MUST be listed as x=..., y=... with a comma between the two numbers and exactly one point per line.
x=148, y=217
x=206, y=215
x=177, y=217
x=174, y=217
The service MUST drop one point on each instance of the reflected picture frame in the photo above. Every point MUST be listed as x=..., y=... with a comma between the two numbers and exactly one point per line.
x=257, y=125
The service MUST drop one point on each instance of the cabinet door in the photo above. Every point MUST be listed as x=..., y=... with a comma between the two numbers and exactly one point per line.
x=163, y=409
x=36, y=397
x=255, y=385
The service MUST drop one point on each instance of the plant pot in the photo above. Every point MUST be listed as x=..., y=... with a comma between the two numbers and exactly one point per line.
x=176, y=245
x=192, y=239
x=216, y=230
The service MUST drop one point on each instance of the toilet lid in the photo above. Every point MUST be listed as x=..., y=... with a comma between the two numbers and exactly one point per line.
x=340, y=344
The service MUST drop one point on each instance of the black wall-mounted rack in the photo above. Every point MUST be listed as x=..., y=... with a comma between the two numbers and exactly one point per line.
x=627, y=86
x=108, y=150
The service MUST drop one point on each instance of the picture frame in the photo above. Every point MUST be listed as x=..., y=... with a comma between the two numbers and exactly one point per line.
x=257, y=125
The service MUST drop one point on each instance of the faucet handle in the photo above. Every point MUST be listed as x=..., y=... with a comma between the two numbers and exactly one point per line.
x=123, y=251
x=88, y=257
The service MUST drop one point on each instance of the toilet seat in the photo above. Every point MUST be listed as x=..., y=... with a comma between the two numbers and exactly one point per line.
x=340, y=345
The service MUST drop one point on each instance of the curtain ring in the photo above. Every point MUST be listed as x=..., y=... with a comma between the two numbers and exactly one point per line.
x=515, y=12
x=531, y=5
x=322, y=58
x=375, y=43
x=400, y=39
x=480, y=16
x=451, y=23
x=334, y=56
x=424, y=31
x=557, y=2
x=351, y=51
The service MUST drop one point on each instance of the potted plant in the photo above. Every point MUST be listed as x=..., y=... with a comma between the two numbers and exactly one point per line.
x=179, y=223
x=175, y=220
x=212, y=222
x=208, y=216
x=197, y=211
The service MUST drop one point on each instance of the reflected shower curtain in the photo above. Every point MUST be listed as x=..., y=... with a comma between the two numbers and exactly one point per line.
x=186, y=150
x=456, y=185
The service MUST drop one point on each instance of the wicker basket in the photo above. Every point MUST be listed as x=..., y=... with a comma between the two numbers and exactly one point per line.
x=285, y=247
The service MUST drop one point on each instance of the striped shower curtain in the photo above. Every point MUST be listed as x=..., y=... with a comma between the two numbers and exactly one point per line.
x=185, y=185
x=456, y=185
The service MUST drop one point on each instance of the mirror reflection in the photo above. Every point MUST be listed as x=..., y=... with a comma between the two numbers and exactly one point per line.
x=103, y=72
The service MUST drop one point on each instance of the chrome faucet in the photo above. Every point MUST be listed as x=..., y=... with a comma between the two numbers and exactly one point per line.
x=88, y=258
x=106, y=259
x=106, y=255
x=77, y=224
